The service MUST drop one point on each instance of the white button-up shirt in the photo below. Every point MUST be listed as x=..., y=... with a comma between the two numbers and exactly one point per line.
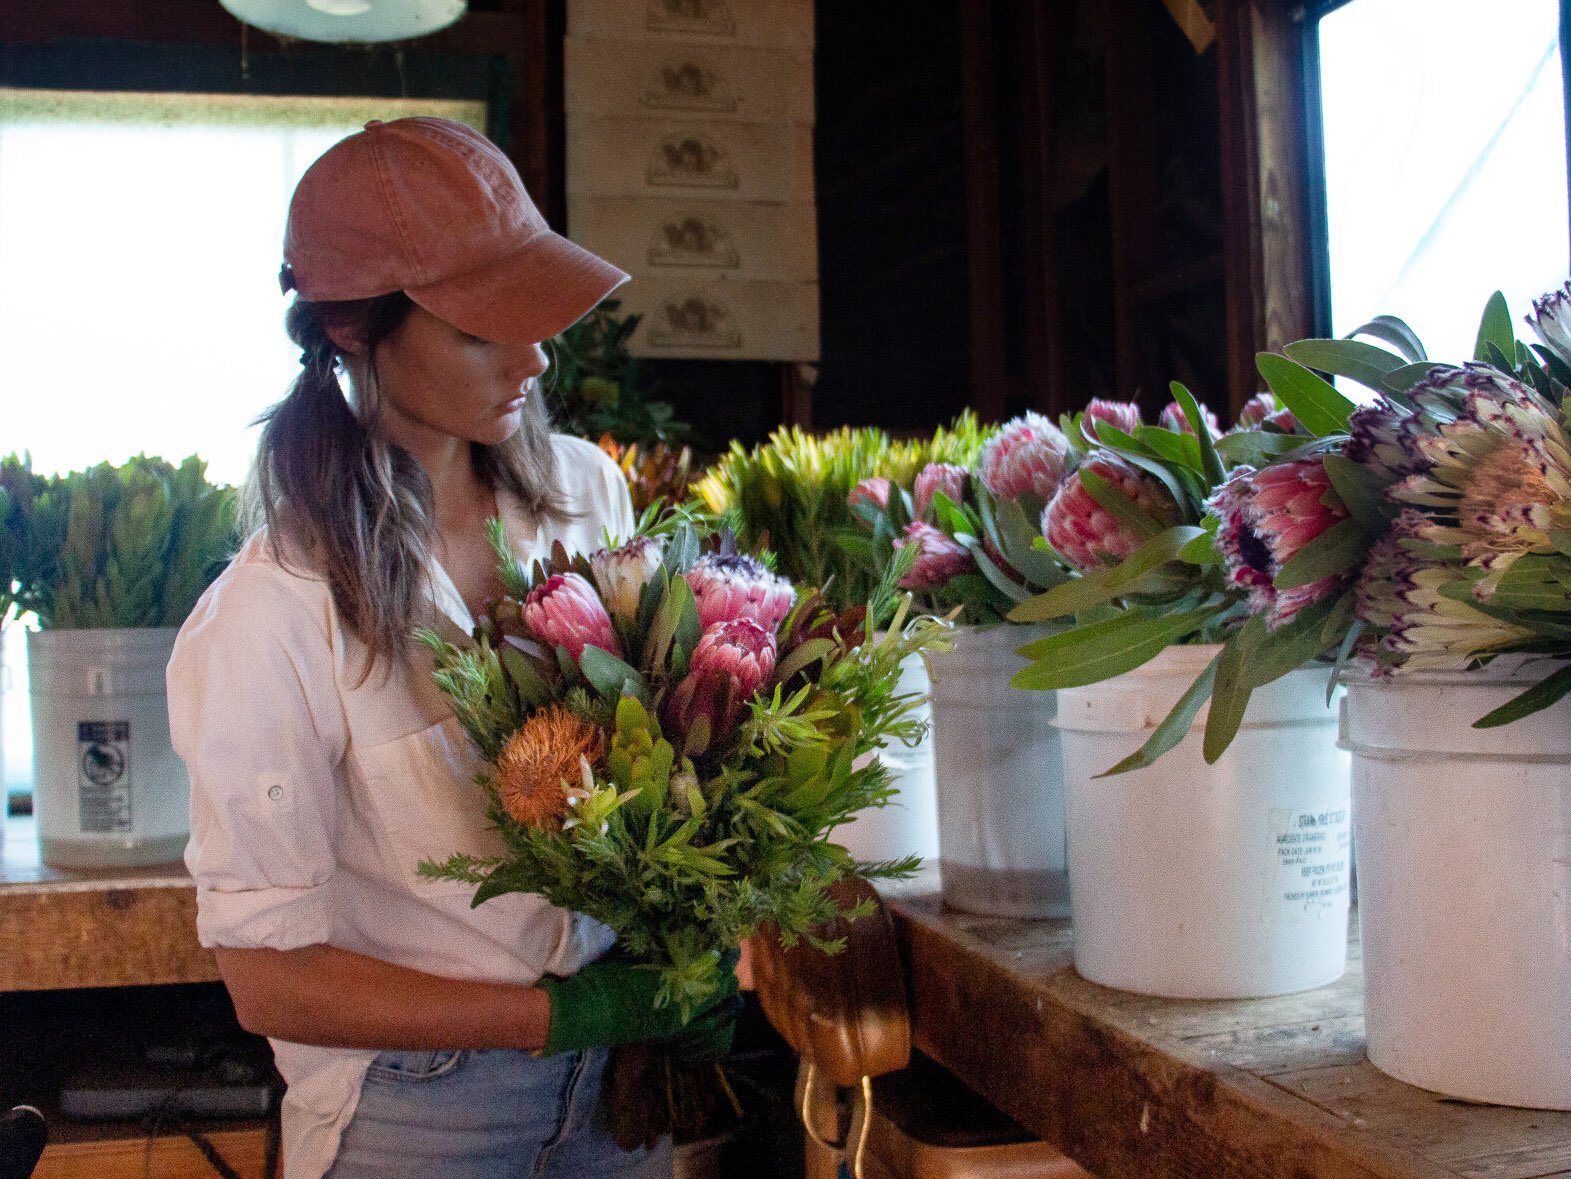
x=315, y=794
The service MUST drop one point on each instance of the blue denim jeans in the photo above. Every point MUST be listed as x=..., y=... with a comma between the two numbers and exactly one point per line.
x=497, y=1114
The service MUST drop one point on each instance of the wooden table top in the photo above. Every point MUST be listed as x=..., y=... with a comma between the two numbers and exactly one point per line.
x=1132, y=1087
x=102, y=928
x=1142, y=1088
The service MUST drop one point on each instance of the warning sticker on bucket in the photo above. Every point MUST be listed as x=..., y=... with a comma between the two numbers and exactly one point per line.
x=103, y=775
x=1313, y=855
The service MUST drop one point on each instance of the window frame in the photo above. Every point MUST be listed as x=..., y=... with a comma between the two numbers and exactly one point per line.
x=330, y=71
x=1309, y=15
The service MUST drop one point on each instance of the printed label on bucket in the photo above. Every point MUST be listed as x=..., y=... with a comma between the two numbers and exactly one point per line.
x=103, y=776
x=1313, y=854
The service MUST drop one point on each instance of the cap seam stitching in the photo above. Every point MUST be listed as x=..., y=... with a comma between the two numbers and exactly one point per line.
x=395, y=213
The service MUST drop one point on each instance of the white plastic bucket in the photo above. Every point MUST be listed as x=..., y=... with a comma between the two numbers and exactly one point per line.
x=908, y=824
x=1000, y=784
x=108, y=790
x=1192, y=881
x=1464, y=880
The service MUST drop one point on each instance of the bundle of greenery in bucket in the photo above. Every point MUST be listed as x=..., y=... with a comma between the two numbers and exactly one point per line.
x=1252, y=900
x=1450, y=564
x=112, y=559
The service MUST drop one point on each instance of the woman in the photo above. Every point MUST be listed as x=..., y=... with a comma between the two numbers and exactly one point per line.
x=417, y=1035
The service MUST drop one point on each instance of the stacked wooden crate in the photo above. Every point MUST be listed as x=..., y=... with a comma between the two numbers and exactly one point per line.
x=690, y=165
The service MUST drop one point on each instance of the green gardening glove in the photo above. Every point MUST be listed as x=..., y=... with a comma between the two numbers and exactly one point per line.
x=707, y=1037
x=611, y=1002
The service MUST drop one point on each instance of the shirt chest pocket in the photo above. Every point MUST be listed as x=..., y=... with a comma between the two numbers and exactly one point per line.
x=421, y=793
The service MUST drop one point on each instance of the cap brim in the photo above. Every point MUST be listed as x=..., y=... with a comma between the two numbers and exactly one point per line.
x=537, y=292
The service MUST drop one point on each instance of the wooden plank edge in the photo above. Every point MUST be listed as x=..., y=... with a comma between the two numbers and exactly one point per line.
x=1123, y=1101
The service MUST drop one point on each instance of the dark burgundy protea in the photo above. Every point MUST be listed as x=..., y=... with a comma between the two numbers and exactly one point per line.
x=949, y=478
x=940, y=558
x=738, y=586
x=731, y=662
x=1266, y=517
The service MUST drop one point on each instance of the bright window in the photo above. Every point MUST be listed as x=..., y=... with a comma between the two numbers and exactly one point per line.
x=1445, y=162
x=139, y=309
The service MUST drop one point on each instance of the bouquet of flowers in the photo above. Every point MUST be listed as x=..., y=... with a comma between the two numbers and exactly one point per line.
x=1431, y=527
x=670, y=733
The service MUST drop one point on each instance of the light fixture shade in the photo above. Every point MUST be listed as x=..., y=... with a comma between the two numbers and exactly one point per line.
x=342, y=22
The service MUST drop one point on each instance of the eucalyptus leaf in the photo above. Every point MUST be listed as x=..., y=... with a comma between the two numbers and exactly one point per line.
x=609, y=675
x=1174, y=726
x=1495, y=329
x=1230, y=689
x=1084, y=593
x=1111, y=437
x=1540, y=696
x=1361, y=491
x=1257, y=448
x=1099, y=651
x=1336, y=550
x=1397, y=333
x=1182, y=450
x=1314, y=402
x=1400, y=380
x=1364, y=363
x=996, y=577
x=1210, y=462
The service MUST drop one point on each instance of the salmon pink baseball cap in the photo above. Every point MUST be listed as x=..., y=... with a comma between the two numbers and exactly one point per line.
x=432, y=208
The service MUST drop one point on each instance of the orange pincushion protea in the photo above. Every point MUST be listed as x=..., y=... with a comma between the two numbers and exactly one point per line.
x=540, y=760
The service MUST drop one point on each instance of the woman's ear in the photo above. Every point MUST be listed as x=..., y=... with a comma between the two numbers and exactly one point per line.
x=348, y=341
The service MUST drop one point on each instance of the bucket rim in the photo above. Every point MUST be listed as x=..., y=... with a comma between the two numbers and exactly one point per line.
x=1503, y=669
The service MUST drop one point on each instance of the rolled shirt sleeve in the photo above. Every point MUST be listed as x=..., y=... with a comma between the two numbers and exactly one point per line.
x=255, y=713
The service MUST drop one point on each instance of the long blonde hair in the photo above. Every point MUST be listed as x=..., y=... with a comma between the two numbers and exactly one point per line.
x=327, y=486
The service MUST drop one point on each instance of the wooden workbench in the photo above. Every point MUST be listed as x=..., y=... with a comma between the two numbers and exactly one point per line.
x=103, y=928
x=1131, y=1087
x=1141, y=1088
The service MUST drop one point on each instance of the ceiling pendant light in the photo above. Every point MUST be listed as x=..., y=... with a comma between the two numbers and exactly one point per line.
x=341, y=22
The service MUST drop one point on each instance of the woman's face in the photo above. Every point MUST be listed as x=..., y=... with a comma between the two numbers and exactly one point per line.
x=440, y=384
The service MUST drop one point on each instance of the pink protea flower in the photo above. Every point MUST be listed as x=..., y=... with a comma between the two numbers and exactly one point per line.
x=1086, y=534
x=731, y=662
x=1173, y=418
x=1268, y=516
x=621, y=573
x=734, y=586
x=564, y=610
x=1125, y=415
x=949, y=478
x=1026, y=457
x=941, y=557
x=1257, y=409
x=873, y=491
